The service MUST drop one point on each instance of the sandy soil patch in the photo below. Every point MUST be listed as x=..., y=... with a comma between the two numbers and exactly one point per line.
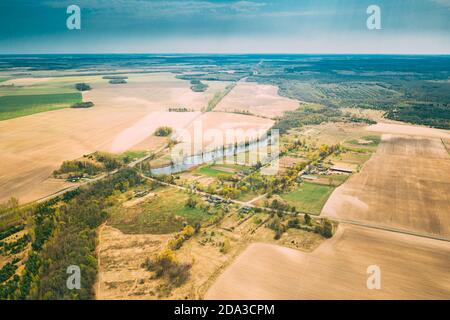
x=411, y=268
x=257, y=99
x=120, y=276
x=121, y=256
x=405, y=184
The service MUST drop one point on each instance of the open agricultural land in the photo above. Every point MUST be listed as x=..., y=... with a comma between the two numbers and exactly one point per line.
x=411, y=268
x=404, y=185
x=260, y=100
x=124, y=116
x=400, y=179
x=350, y=188
x=224, y=232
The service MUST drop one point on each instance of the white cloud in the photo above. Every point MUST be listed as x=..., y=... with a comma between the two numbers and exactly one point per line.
x=154, y=8
x=445, y=3
x=246, y=6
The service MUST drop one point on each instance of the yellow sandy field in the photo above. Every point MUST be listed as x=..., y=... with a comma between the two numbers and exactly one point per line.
x=114, y=283
x=411, y=268
x=258, y=99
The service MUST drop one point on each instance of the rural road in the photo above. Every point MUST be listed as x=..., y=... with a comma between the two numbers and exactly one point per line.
x=343, y=221
x=245, y=204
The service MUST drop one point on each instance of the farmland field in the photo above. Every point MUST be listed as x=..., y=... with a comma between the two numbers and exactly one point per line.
x=222, y=169
x=165, y=212
x=405, y=185
x=214, y=129
x=231, y=230
x=155, y=92
x=213, y=172
x=22, y=105
x=123, y=118
x=262, y=100
x=337, y=269
x=309, y=197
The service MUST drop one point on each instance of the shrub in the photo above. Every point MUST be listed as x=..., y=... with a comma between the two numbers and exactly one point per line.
x=163, y=131
x=175, y=243
x=307, y=219
x=294, y=223
x=115, y=77
x=82, y=105
x=191, y=202
x=327, y=228
x=198, y=86
x=10, y=231
x=277, y=226
x=225, y=247
x=164, y=264
x=188, y=232
x=117, y=81
x=82, y=87
x=79, y=166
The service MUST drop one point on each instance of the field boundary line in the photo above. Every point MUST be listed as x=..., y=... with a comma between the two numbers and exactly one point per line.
x=445, y=146
x=390, y=229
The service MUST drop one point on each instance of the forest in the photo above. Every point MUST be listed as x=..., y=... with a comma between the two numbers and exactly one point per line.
x=63, y=233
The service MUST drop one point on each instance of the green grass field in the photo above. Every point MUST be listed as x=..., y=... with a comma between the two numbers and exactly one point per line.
x=374, y=142
x=309, y=197
x=23, y=105
x=249, y=195
x=211, y=172
x=163, y=214
x=215, y=170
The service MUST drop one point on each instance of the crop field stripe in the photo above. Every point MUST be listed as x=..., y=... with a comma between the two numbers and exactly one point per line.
x=22, y=105
x=445, y=146
x=371, y=225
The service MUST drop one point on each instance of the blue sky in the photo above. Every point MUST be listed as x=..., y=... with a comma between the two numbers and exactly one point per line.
x=225, y=26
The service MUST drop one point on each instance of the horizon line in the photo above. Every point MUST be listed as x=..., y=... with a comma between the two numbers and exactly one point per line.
x=227, y=53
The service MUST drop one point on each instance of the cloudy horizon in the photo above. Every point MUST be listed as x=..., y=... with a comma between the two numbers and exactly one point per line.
x=225, y=26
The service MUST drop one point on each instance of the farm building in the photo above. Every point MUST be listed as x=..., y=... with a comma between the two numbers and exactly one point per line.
x=341, y=169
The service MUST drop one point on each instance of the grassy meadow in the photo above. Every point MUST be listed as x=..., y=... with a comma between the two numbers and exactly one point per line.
x=23, y=105
x=165, y=213
x=309, y=197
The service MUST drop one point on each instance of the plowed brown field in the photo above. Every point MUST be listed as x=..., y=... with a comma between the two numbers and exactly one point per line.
x=405, y=185
x=411, y=268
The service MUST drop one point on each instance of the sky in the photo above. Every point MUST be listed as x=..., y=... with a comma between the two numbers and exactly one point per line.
x=225, y=26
